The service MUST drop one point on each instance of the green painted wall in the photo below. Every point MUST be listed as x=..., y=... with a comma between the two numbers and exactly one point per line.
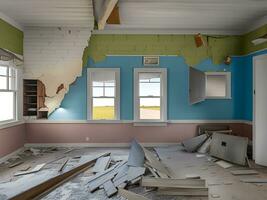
x=11, y=38
x=248, y=47
x=180, y=45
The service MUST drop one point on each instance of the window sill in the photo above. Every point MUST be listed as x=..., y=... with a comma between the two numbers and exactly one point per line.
x=8, y=124
x=144, y=123
x=218, y=98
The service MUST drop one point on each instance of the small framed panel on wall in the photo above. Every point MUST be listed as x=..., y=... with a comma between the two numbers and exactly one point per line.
x=151, y=61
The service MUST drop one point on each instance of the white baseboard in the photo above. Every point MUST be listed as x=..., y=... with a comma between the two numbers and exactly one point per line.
x=95, y=144
x=6, y=157
x=233, y=121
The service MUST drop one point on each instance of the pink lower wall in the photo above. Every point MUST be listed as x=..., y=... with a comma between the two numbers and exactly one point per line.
x=11, y=139
x=15, y=137
x=117, y=133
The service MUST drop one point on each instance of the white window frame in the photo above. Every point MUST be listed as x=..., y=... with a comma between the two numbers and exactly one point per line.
x=90, y=92
x=163, y=95
x=15, y=92
x=228, y=84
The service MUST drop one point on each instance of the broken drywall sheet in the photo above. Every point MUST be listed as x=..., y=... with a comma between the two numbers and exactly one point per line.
x=54, y=56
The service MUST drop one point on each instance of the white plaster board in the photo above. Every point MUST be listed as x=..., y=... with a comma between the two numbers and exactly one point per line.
x=54, y=56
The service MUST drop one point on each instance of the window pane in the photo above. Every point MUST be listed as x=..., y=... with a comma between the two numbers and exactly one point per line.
x=149, y=108
x=110, y=83
x=109, y=91
x=149, y=89
x=6, y=106
x=3, y=71
x=216, y=86
x=103, y=76
x=149, y=77
x=97, y=83
x=3, y=82
x=149, y=84
x=98, y=91
x=103, y=108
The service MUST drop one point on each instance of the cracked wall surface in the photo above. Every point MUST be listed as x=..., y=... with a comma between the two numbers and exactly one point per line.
x=54, y=56
x=217, y=47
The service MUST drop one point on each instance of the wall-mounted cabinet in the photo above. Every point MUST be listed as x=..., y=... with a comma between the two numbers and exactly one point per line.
x=208, y=85
x=33, y=99
x=197, y=85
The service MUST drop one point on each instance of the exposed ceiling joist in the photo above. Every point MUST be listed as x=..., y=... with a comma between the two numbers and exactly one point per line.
x=107, y=8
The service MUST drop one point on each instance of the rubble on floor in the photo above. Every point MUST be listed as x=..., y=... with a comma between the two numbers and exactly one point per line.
x=136, y=176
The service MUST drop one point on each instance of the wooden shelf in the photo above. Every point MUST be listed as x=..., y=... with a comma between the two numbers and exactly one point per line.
x=34, y=97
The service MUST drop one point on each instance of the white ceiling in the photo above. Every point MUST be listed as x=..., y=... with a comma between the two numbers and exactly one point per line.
x=52, y=13
x=218, y=16
x=174, y=16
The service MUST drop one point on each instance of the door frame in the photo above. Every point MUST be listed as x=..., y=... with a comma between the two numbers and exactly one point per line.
x=253, y=100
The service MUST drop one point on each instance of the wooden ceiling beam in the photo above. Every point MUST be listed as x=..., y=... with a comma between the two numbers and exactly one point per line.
x=107, y=9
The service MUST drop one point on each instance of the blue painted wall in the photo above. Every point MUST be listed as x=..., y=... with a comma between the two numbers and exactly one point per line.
x=74, y=105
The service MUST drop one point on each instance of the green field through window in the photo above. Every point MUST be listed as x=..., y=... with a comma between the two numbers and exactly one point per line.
x=103, y=112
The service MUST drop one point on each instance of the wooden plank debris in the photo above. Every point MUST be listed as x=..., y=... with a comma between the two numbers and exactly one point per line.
x=120, y=181
x=135, y=172
x=173, y=183
x=183, y=191
x=152, y=171
x=63, y=165
x=37, y=168
x=136, y=180
x=110, y=188
x=101, y=164
x=244, y=172
x=25, y=168
x=107, y=175
x=98, y=175
x=136, y=155
x=68, y=151
x=100, y=181
x=192, y=176
x=160, y=174
x=224, y=164
x=194, y=143
x=254, y=180
x=131, y=195
x=56, y=159
x=122, y=172
x=205, y=147
x=155, y=163
x=51, y=183
x=15, y=164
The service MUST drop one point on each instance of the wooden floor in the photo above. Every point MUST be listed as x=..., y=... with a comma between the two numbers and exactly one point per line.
x=221, y=183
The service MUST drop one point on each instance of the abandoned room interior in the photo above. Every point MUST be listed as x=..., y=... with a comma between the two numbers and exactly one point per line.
x=133, y=99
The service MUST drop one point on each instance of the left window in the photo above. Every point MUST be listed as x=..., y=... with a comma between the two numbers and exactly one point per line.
x=103, y=93
x=8, y=93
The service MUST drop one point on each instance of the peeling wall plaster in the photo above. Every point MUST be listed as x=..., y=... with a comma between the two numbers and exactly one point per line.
x=181, y=45
x=54, y=56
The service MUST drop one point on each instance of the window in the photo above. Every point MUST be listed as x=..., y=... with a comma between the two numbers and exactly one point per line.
x=104, y=94
x=218, y=85
x=150, y=86
x=8, y=93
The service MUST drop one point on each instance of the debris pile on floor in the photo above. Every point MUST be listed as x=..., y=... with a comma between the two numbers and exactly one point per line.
x=219, y=143
x=144, y=168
